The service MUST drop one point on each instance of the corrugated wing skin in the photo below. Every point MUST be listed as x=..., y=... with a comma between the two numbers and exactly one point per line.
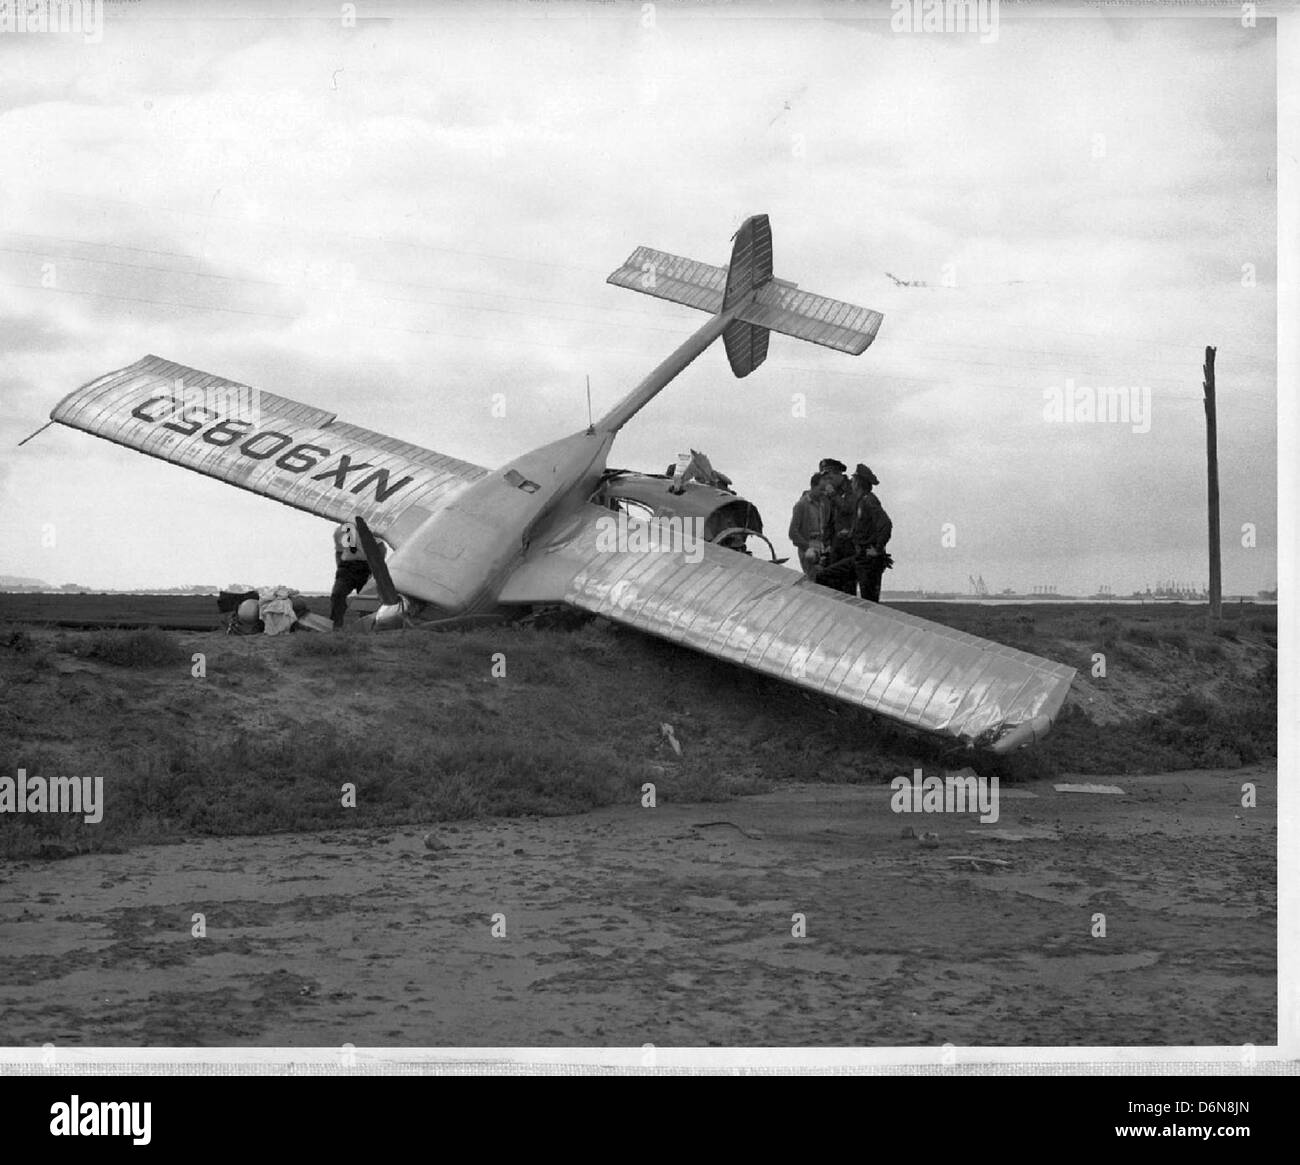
x=671, y=277
x=770, y=619
x=299, y=455
x=829, y=322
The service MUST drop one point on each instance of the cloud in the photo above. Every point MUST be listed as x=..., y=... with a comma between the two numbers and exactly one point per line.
x=400, y=220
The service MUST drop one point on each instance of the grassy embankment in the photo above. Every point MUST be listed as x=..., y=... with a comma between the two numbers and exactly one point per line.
x=265, y=740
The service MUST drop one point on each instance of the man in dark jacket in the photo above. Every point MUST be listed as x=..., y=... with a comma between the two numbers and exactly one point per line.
x=808, y=525
x=838, y=536
x=871, y=532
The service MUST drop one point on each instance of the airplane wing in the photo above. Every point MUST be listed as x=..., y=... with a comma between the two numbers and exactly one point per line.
x=774, y=621
x=299, y=455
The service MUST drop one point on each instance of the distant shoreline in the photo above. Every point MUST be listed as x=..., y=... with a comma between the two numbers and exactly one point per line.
x=887, y=596
x=1047, y=600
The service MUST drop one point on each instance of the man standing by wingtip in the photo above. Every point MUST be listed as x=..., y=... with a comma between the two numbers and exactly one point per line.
x=872, y=529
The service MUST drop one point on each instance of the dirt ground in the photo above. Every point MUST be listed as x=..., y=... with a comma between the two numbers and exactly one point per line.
x=673, y=926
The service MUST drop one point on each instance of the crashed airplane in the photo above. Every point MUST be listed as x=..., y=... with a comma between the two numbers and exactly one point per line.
x=467, y=540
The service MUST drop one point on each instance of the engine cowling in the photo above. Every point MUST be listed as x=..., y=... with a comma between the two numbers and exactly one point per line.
x=722, y=511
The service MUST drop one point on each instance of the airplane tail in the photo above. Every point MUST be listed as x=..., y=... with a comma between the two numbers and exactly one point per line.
x=756, y=302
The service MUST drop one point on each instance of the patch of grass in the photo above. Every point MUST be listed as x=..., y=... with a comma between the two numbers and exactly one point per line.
x=315, y=646
x=1136, y=633
x=1209, y=652
x=24, y=658
x=460, y=655
x=247, y=782
x=1109, y=630
x=693, y=783
x=1137, y=660
x=1197, y=733
x=143, y=648
x=597, y=642
x=233, y=665
x=575, y=722
x=17, y=640
x=46, y=835
x=49, y=836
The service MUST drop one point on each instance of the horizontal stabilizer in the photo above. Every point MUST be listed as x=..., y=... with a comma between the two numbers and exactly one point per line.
x=673, y=278
x=805, y=316
x=750, y=298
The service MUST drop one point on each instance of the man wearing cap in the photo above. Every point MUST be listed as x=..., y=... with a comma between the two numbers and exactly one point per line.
x=808, y=525
x=871, y=532
x=838, y=534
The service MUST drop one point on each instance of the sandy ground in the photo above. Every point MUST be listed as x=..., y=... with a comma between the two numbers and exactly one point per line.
x=629, y=926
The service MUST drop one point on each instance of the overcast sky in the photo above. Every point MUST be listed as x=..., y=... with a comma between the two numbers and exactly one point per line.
x=397, y=220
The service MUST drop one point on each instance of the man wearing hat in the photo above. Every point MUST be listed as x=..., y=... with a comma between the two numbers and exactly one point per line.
x=838, y=537
x=871, y=531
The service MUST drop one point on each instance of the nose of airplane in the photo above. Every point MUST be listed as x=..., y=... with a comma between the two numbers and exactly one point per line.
x=449, y=590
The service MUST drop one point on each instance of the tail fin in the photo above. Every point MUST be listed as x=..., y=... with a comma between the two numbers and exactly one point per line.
x=750, y=269
x=758, y=302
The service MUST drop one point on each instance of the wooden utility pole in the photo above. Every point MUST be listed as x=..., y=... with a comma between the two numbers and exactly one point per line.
x=1212, y=463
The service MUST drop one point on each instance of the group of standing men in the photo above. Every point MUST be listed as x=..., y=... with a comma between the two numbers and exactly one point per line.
x=841, y=530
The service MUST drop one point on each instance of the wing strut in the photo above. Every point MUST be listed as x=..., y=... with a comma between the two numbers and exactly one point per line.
x=392, y=613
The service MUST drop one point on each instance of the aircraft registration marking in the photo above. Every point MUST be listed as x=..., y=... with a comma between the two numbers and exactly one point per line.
x=291, y=454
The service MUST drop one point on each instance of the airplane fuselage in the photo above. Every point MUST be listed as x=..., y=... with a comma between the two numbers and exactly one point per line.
x=459, y=557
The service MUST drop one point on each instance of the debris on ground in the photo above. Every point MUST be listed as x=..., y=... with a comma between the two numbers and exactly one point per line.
x=1016, y=835
x=267, y=611
x=1068, y=788
x=976, y=861
x=754, y=834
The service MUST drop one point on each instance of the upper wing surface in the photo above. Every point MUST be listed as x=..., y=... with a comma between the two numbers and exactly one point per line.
x=299, y=455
